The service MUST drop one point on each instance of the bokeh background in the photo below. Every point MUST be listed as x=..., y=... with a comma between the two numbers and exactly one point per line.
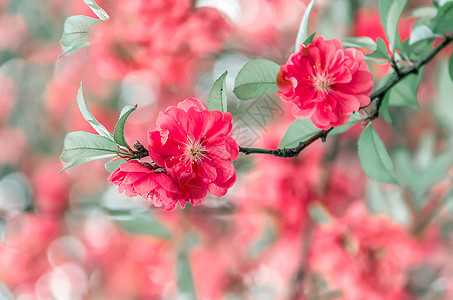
x=312, y=227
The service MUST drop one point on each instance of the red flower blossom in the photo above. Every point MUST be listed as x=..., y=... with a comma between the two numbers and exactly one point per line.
x=195, y=146
x=325, y=82
x=143, y=179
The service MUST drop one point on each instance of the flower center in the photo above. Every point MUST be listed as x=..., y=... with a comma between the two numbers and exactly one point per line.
x=195, y=151
x=322, y=82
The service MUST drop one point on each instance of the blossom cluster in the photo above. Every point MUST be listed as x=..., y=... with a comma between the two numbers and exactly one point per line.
x=191, y=153
x=166, y=37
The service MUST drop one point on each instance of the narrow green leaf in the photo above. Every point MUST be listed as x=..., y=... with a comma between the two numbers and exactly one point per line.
x=443, y=106
x=80, y=161
x=256, y=78
x=118, y=134
x=302, y=35
x=390, y=202
x=385, y=109
x=217, y=99
x=74, y=47
x=115, y=164
x=97, y=9
x=384, y=8
x=450, y=67
x=76, y=30
x=299, y=131
x=186, y=284
x=140, y=223
x=80, y=144
x=391, y=11
x=421, y=33
x=404, y=94
x=89, y=117
x=374, y=157
x=353, y=119
x=359, y=42
x=378, y=61
x=393, y=19
x=310, y=39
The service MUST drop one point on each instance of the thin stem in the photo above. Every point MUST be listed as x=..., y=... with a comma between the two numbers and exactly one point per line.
x=301, y=273
x=288, y=152
x=379, y=95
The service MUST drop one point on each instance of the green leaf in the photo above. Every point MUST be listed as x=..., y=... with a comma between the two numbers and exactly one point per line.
x=217, y=99
x=115, y=164
x=374, y=157
x=79, y=145
x=423, y=170
x=118, y=134
x=186, y=284
x=385, y=109
x=302, y=35
x=256, y=78
x=423, y=12
x=303, y=129
x=390, y=202
x=443, y=2
x=75, y=47
x=310, y=39
x=421, y=33
x=97, y=9
x=450, y=67
x=381, y=51
x=444, y=104
x=353, y=119
x=391, y=11
x=443, y=23
x=89, y=117
x=359, y=42
x=76, y=30
x=404, y=94
x=298, y=131
x=139, y=223
x=80, y=161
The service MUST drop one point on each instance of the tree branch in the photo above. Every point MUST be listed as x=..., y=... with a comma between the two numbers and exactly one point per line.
x=288, y=152
x=379, y=95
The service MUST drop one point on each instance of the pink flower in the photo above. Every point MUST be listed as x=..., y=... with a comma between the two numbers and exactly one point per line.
x=146, y=180
x=367, y=257
x=195, y=146
x=325, y=82
x=166, y=37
